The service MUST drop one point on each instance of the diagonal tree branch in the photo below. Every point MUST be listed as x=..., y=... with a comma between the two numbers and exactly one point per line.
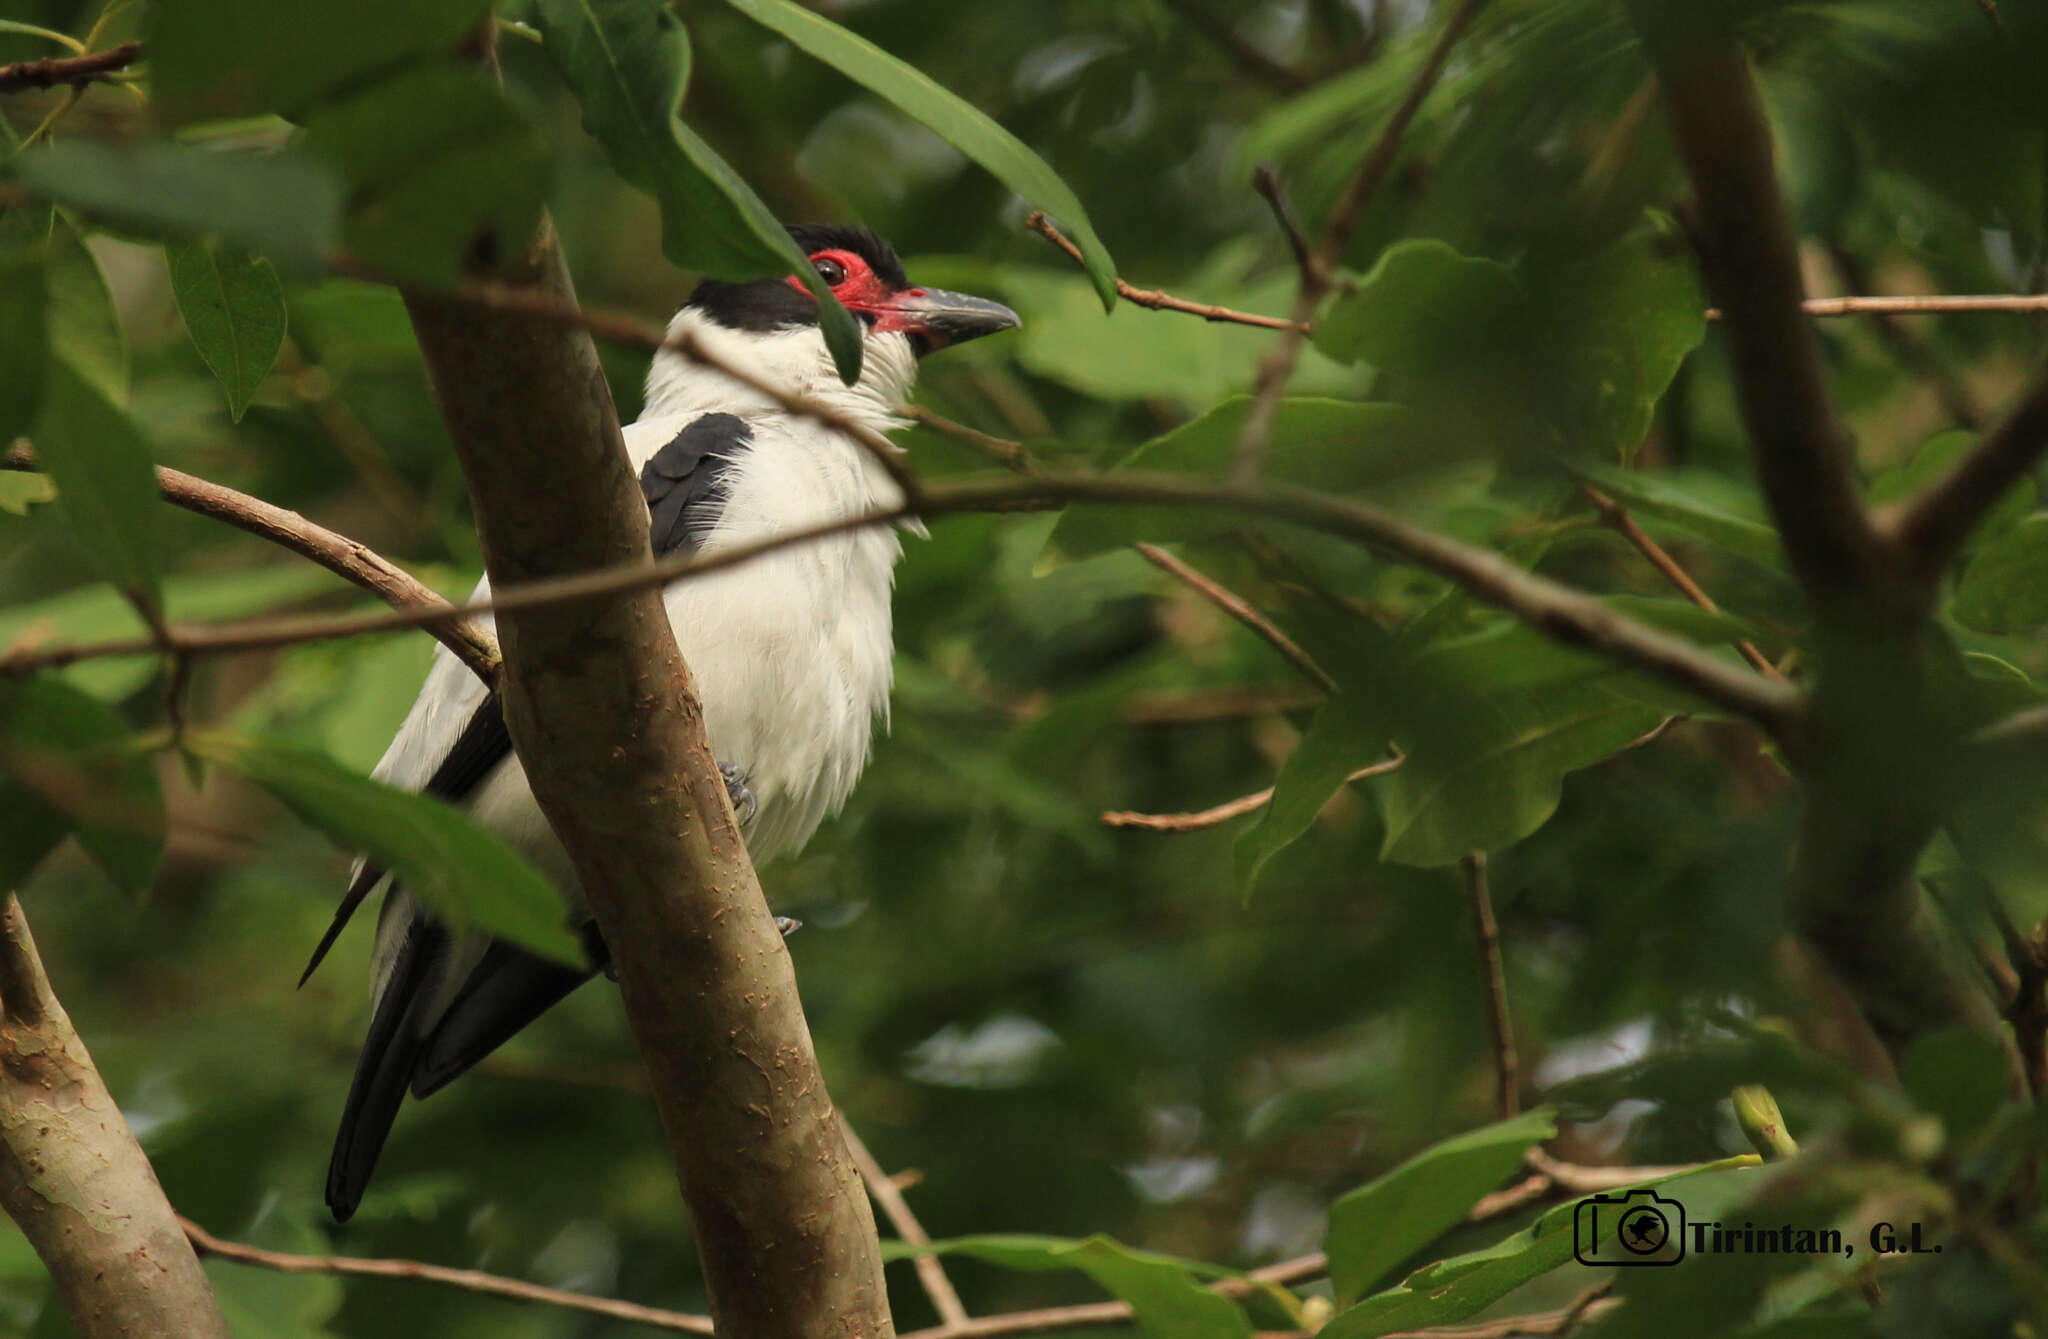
x=605, y=719
x=77, y=71
x=1559, y=612
x=73, y=1178
x=1931, y=528
x=475, y=645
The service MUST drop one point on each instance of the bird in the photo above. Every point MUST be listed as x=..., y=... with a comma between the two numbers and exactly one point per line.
x=791, y=652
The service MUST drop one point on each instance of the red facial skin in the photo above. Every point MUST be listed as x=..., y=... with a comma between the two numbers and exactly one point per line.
x=862, y=292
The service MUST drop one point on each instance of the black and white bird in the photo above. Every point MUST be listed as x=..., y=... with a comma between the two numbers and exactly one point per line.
x=791, y=652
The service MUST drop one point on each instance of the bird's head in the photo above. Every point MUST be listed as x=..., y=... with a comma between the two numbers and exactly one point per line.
x=773, y=323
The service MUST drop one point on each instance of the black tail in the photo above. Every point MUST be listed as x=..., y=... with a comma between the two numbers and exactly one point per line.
x=508, y=989
x=397, y=1033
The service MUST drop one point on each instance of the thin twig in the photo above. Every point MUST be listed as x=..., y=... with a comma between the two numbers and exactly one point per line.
x=1917, y=304
x=1266, y=181
x=1154, y=298
x=475, y=645
x=1561, y=613
x=1907, y=348
x=76, y=71
x=1013, y=456
x=1222, y=813
x=1238, y=608
x=931, y=1274
x=1088, y=1314
x=1507, y=1066
x=469, y=1280
x=1614, y=515
x=1588, y=1305
x=1276, y=368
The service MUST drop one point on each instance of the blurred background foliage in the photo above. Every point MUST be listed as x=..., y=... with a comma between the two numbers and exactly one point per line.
x=1068, y=1027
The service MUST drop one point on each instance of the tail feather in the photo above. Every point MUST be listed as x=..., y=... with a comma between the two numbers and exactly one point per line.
x=508, y=989
x=383, y=1072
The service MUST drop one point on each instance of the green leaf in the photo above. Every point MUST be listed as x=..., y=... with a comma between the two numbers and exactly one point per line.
x=1161, y=1290
x=1452, y=1290
x=85, y=328
x=442, y=168
x=1338, y=446
x=24, y=298
x=466, y=872
x=1958, y=1074
x=106, y=481
x=946, y=115
x=628, y=62
x=1699, y=503
x=214, y=59
x=30, y=828
x=1931, y=463
x=233, y=307
x=282, y=205
x=1377, y=1226
x=1486, y=779
x=2005, y=587
x=1348, y=732
x=1416, y=313
x=78, y=758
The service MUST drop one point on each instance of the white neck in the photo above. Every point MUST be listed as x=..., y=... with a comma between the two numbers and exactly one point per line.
x=795, y=360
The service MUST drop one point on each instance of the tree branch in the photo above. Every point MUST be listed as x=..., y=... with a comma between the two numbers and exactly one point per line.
x=931, y=1274
x=608, y=727
x=73, y=1178
x=77, y=71
x=1240, y=609
x=1486, y=932
x=1751, y=257
x=1222, y=813
x=1154, y=298
x=1569, y=616
x=1276, y=368
x=1931, y=528
x=473, y=644
x=468, y=1280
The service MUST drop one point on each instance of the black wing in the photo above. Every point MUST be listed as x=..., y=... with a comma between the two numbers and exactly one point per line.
x=684, y=482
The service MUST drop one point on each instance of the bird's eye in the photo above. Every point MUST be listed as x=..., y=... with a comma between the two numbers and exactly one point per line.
x=830, y=270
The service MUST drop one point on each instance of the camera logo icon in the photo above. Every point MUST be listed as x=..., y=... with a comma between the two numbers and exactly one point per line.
x=1639, y=1228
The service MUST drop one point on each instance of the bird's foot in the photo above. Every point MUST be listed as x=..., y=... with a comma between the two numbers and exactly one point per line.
x=739, y=792
x=789, y=925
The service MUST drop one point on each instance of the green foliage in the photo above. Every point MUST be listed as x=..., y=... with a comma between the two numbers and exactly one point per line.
x=628, y=61
x=282, y=206
x=442, y=169
x=218, y=59
x=23, y=298
x=468, y=874
x=106, y=481
x=233, y=307
x=71, y=764
x=1162, y=1292
x=958, y=122
x=1382, y=1223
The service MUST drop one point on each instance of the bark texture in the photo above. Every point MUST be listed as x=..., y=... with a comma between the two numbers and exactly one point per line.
x=73, y=1178
x=604, y=718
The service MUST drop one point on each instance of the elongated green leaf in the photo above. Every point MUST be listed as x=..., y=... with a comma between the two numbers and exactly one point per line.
x=946, y=115
x=1452, y=1290
x=464, y=871
x=77, y=758
x=1377, y=1226
x=441, y=168
x=30, y=828
x=1339, y=446
x=1489, y=778
x=1162, y=1291
x=85, y=329
x=24, y=297
x=106, y=482
x=233, y=307
x=285, y=206
x=1348, y=732
x=629, y=62
x=225, y=58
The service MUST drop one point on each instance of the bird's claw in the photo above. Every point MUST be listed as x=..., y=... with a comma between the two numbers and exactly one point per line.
x=739, y=792
x=789, y=925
